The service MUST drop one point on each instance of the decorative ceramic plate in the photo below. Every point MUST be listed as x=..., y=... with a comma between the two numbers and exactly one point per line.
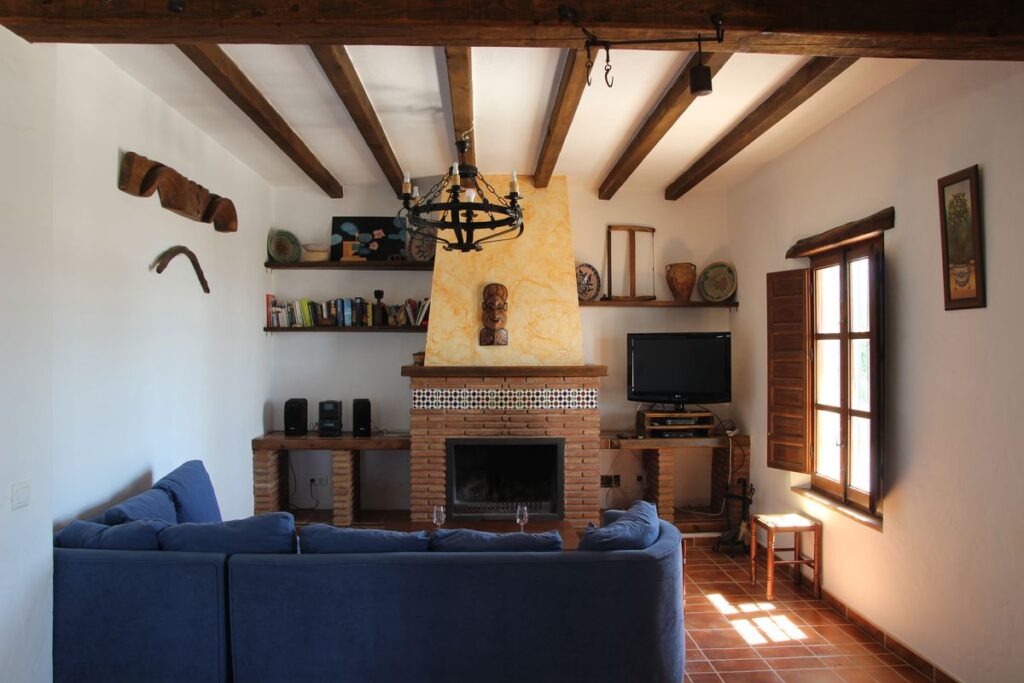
x=283, y=246
x=422, y=246
x=718, y=282
x=588, y=282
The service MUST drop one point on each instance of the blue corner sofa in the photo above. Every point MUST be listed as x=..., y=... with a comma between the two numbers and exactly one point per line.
x=447, y=617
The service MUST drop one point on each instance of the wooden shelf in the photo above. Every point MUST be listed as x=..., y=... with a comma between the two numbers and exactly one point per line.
x=504, y=371
x=377, y=441
x=660, y=304
x=378, y=328
x=351, y=265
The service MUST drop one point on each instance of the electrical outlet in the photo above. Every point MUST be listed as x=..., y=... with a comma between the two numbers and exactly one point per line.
x=606, y=481
x=21, y=494
x=616, y=481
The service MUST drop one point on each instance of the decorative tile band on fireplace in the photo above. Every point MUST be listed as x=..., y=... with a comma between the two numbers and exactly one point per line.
x=504, y=399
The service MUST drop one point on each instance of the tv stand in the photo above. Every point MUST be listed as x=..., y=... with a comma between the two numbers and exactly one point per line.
x=666, y=424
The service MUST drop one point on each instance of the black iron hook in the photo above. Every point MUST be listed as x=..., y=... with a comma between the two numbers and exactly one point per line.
x=608, y=79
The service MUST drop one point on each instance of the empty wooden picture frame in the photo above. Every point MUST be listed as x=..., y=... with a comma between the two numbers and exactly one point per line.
x=630, y=251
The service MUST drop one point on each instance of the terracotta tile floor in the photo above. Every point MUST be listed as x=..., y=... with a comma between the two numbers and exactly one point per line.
x=734, y=635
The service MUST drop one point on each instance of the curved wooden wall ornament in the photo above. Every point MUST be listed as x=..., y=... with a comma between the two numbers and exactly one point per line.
x=162, y=261
x=141, y=177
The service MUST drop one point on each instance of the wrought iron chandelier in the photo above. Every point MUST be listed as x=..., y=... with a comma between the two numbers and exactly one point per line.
x=463, y=211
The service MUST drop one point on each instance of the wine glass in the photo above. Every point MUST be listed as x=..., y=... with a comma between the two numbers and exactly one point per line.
x=438, y=516
x=522, y=516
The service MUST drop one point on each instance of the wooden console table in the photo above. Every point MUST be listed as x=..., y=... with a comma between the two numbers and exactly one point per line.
x=270, y=454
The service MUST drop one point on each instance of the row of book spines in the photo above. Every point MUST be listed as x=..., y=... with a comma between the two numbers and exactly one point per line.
x=356, y=312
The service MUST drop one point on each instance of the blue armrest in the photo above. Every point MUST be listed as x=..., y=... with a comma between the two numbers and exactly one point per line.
x=122, y=615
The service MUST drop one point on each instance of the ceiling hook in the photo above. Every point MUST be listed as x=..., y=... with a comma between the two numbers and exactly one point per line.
x=590, y=62
x=608, y=78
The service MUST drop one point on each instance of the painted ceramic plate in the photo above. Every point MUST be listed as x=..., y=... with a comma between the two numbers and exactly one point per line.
x=422, y=246
x=717, y=282
x=283, y=247
x=588, y=282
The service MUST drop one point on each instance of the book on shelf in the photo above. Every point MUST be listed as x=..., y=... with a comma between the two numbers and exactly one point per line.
x=345, y=312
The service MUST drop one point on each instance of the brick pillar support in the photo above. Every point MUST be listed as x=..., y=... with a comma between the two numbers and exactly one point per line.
x=268, y=491
x=344, y=482
x=659, y=472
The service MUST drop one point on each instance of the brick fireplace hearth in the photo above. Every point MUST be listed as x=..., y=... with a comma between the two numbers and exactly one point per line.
x=541, y=401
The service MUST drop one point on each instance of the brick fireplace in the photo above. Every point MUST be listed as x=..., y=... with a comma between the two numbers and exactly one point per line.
x=533, y=401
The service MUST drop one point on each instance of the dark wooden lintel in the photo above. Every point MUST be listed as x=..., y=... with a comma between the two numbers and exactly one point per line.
x=459, y=63
x=987, y=29
x=845, y=235
x=504, y=371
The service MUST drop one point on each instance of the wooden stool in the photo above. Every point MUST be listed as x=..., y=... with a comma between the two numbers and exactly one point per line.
x=789, y=523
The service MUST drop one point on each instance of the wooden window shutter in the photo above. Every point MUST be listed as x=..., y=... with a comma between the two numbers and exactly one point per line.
x=789, y=370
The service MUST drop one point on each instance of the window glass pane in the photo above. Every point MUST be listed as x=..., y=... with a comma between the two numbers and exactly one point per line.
x=860, y=296
x=860, y=374
x=826, y=372
x=860, y=454
x=826, y=300
x=826, y=444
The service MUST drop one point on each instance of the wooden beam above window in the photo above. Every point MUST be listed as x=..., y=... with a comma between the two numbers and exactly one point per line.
x=338, y=67
x=988, y=29
x=809, y=79
x=459, y=63
x=568, y=94
x=676, y=100
x=226, y=75
x=845, y=235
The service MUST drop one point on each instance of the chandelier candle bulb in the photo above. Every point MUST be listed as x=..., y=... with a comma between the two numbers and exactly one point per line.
x=456, y=180
x=513, y=184
x=415, y=191
x=406, y=184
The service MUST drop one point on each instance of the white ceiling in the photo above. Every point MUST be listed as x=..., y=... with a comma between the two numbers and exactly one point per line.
x=512, y=90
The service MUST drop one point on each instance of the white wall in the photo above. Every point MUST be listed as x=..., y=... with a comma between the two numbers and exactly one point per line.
x=347, y=366
x=148, y=370
x=26, y=366
x=943, y=575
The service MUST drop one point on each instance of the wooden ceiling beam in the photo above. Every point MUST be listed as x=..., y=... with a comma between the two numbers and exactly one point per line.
x=565, y=100
x=225, y=74
x=809, y=79
x=459, y=62
x=676, y=100
x=338, y=67
x=989, y=29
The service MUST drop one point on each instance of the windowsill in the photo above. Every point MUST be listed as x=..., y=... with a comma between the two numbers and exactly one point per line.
x=870, y=521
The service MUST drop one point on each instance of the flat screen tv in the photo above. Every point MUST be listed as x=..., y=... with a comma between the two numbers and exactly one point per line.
x=679, y=367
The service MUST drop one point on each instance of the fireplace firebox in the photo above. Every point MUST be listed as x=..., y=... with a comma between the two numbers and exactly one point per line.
x=489, y=477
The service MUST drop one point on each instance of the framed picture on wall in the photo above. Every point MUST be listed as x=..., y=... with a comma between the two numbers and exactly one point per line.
x=963, y=259
x=367, y=238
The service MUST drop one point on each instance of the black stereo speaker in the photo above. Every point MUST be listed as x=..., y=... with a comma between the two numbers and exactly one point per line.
x=361, y=417
x=330, y=418
x=295, y=417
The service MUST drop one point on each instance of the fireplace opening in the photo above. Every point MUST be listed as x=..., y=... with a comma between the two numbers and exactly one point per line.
x=489, y=478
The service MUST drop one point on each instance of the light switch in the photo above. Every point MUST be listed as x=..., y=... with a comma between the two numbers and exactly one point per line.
x=21, y=493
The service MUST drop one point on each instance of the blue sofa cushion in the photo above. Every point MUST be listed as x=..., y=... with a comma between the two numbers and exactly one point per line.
x=139, y=535
x=635, y=529
x=273, y=532
x=151, y=504
x=324, y=538
x=472, y=541
x=190, y=488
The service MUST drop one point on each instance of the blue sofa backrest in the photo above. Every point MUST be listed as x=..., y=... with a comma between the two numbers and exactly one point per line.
x=126, y=616
x=590, y=617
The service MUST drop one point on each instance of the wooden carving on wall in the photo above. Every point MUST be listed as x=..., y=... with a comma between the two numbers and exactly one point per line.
x=141, y=177
x=162, y=261
x=495, y=313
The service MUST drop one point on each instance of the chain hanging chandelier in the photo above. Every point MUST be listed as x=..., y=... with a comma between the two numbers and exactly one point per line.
x=463, y=211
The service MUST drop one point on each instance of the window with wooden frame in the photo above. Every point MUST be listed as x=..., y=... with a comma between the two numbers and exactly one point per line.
x=846, y=292
x=825, y=363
